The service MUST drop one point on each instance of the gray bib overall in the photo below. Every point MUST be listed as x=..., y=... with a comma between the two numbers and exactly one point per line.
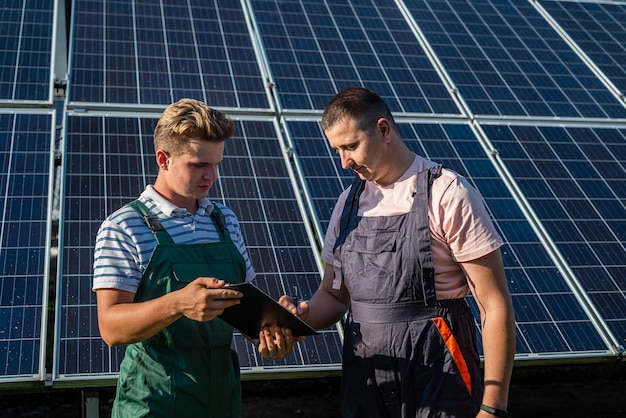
x=188, y=368
x=405, y=353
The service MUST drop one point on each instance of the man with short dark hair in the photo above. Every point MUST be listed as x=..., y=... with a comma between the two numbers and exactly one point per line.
x=405, y=243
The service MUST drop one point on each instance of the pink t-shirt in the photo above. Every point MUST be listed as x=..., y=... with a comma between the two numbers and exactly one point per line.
x=460, y=226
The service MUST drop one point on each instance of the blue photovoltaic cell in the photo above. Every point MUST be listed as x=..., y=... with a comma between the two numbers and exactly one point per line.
x=573, y=178
x=316, y=49
x=600, y=30
x=25, y=158
x=26, y=50
x=507, y=60
x=549, y=320
x=109, y=160
x=156, y=53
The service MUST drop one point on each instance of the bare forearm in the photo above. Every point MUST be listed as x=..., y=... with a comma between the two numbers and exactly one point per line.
x=128, y=323
x=487, y=282
x=325, y=309
x=122, y=321
x=499, y=349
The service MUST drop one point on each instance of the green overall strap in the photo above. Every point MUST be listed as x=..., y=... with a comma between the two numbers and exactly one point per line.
x=152, y=222
x=220, y=223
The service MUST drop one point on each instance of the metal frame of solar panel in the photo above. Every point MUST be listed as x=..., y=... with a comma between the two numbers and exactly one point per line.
x=554, y=318
x=27, y=38
x=26, y=184
x=109, y=159
x=154, y=54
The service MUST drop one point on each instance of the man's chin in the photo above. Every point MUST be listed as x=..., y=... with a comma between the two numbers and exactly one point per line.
x=362, y=176
x=198, y=196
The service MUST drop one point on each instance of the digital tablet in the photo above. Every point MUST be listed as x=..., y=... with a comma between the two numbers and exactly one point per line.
x=258, y=310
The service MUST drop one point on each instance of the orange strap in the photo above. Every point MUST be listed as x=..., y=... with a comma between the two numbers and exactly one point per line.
x=455, y=351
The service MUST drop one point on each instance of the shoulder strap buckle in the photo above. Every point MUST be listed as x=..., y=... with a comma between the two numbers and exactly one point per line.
x=154, y=224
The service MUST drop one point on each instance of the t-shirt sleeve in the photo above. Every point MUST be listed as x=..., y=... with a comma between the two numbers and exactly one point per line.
x=116, y=262
x=462, y=220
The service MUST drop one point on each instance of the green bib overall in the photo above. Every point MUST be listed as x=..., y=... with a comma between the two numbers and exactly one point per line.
x=188, y=369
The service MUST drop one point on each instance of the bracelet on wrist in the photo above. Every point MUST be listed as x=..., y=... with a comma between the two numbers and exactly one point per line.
x=494, y=411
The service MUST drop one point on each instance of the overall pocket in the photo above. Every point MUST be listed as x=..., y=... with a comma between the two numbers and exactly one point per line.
x=369, y=265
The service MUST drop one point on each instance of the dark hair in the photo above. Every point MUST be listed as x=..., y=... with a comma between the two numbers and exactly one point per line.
x=358, y=103
x=190, y=119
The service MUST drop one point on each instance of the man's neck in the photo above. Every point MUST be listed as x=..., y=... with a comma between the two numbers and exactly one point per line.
x=191, y=204
x=401, y=164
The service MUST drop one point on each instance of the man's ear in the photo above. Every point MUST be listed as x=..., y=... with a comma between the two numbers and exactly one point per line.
x=384, y=127
x=162, y=157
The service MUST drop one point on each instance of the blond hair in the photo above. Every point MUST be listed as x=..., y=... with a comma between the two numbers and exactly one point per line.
x=190, y=119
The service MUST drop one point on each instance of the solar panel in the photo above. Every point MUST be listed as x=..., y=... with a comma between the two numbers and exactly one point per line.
x=316, y=49
x=108, y=162
x=600, y=30
x=25, y=203
x=506, y=59
x=549, y=319
x=156, y=53
x=573, y=178
x=26, y=33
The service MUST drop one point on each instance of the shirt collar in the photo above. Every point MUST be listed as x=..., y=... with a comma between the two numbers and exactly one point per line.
x=168, y=208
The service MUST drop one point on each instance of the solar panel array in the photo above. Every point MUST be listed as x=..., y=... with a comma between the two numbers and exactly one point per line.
x=599, y=30
x=573, y=178
x=525, y=99
x=317, y=49
x=26, y=175
x=506, y=60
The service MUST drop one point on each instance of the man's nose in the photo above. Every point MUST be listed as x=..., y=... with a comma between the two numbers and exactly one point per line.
x=210, y=173
x=346, y=161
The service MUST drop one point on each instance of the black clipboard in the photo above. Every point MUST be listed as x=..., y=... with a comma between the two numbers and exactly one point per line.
x=257, y=310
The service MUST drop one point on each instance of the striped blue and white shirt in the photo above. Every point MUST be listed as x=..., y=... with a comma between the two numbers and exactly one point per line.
x=124, y=243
